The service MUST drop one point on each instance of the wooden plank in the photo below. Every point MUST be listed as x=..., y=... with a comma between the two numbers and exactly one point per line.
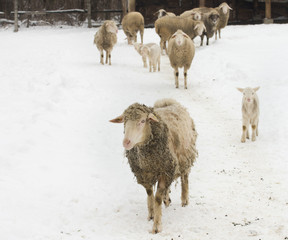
x=201, y=3
x=268, y=9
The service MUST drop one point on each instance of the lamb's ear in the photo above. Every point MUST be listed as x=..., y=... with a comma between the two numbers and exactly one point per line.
x=240, y=89
x=119, y=119
x=256, y=89
x=152, y=117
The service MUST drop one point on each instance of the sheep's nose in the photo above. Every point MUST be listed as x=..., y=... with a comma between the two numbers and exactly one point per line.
x=126, y=143
x=248, y=99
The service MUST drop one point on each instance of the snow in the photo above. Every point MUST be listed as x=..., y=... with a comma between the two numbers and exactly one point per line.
x=63, y=174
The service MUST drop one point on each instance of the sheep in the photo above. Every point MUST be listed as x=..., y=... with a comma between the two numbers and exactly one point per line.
x=161, y=13
x=138, y=47
x=105, y=39
x=154, y=54
x=131, y=24
x=224, y=12
x=210, y=17
x=181, y=51
x=195, y=14
x=250, y=112
x=166, y=26
x=160, y=144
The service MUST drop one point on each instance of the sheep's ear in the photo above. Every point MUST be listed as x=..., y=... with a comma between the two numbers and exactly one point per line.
x=185, y=35
x=256, y=89
x=119, y=119
x=241, y=89
x=152, y=117
x=156, y=13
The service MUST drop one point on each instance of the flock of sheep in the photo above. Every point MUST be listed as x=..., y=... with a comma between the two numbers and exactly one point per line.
x=160, y=141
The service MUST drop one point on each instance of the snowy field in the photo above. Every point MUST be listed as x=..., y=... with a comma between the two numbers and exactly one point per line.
x=63, y=174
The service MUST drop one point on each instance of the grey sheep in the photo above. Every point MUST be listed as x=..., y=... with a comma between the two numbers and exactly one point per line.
x=160, y=147
x=131, y=24
x=105, y=39
x=166, y=26
x=250, y=112
x=181, y=51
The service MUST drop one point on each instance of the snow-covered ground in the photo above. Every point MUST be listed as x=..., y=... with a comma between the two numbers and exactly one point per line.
x=63, y=174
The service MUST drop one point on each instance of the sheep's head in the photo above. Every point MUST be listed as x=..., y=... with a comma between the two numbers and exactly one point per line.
x=200, y=28
x=179, y=37
x=160, y=13
x=111, y=26
x=214, y=17
x=196, y=16
x=225, y=8
x=137, y=47
x=137, y=129
x=145, y=51
x=248, y=94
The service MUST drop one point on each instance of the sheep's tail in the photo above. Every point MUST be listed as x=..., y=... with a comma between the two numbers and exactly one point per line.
x=165, y=103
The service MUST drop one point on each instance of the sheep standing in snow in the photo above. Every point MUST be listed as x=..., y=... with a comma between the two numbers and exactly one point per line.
x=153, y=53
x=250, y=112
x=181, y=52
x=224, y=12
x=166, y=26
x=160, y=147
x=161, y=13
x=138, y=47
x=105, y=39
x=131, y=24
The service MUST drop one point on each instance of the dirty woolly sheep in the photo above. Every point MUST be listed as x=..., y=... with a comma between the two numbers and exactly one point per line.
x=105, y=39
x=250, y=112
x=166, y=26
x=160, y=147
x=181, y=51
x=224, y=12
x=131, y=24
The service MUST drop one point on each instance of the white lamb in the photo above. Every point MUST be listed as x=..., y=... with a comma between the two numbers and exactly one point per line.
x=153, y=53
x=250, y=112
x=138, y=47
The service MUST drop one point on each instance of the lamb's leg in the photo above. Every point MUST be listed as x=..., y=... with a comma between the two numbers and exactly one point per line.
x=219, y=33
x=245, y=126
x=185, y=77
x=101, y=57
x=150, y=202
x=257, y=128
x=141, y=35
x=185, y=190
x=254, y=130
x=176, y=73
x=150, y=66
x=157, y=227
x=144, y=61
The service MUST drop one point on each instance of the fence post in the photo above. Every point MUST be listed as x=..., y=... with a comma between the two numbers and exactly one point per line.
x=15, y=15
x=88, y=6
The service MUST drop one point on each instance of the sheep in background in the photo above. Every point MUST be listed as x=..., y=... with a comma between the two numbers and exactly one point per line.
x=181, y=52
x=224, y=12
x=160, y=147
x=161, y=13
x=210, y=17
x=138, y=47
x=166, y=26
x=131, y=24
x=195, y=14
x=250, y=112
x=105, y=38
x=154, y=54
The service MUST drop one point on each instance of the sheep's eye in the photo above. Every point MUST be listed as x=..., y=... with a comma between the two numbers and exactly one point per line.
x=143, y=121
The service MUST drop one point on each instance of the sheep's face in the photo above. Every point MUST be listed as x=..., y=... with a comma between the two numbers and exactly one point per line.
x=196, y=16
x=214, y=18
x=111, y=27
x=248, y=94
x=179, y=37
x=145, y=51
x=136, y=130
x=161, y=13
x=225, y=8
x=200, y=28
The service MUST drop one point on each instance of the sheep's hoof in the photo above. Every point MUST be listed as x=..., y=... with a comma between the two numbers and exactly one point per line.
x=253, y=139
x=167, y=202
x=243, y=140
x=156, y=229
x=150, y=218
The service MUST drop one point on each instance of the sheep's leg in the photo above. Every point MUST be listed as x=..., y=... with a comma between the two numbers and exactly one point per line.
x=245, y=126
x=202, y=38
x=144, y=61
x=141, y=35
x=150, y=202
x=185, y=77
x=165, y=47
x=207, y=40
x=176, y=73
x=254, y=130
x=101, y=56
x=185, y=190
x=150, y=66
x=167, y=199
x=257, y=128
x=159, y=63
x=107, y=56
x=219, y=33
x=157, y=227
x=216, y=34
x=162, y=46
